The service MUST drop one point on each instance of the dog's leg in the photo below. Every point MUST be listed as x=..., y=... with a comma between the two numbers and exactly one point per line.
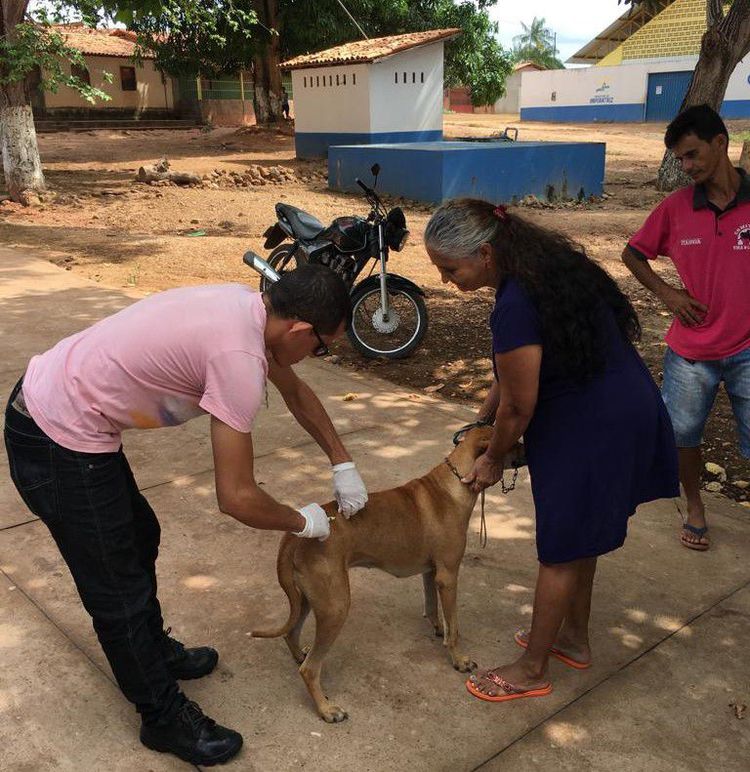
x=431, y=610
x=446, y=580
x=329, y=597
x=292, y=637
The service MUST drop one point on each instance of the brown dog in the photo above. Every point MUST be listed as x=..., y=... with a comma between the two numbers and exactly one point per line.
x=417, y=528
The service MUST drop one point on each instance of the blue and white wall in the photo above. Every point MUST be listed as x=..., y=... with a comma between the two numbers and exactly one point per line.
x=616, y=93
x=398, y=99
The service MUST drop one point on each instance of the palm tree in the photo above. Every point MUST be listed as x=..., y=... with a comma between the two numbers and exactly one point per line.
x=537, y=44
x=536, y=38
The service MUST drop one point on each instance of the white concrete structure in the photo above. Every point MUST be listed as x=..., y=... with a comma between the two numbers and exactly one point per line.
x=511, y=102
x=643, y=66
x=620, y=93
x=370, y=91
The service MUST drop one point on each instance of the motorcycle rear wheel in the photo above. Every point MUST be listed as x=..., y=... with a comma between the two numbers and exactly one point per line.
x=396, y=338
x=281, y=259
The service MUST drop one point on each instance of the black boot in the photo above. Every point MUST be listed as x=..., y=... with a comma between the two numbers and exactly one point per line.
x=185, y=664
x=193, y=737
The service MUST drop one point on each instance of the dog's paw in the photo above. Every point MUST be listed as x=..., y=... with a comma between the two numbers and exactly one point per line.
x=464, y=665
x=334, y=715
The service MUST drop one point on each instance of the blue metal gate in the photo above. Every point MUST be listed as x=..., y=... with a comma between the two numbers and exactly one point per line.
x=666, y=90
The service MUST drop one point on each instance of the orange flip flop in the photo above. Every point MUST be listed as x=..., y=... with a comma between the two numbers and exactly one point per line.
x=556, y=653
x=511, y=692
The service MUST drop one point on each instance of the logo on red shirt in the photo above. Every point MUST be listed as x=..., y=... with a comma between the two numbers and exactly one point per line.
x=743, y=237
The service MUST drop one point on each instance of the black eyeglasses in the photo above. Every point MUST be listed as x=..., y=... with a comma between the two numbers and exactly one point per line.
x=322, y=349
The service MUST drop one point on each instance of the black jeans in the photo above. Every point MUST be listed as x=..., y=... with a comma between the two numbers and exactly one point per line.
x=109, y=537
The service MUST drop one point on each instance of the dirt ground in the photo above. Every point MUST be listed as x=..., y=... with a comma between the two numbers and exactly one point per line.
x=103, y=225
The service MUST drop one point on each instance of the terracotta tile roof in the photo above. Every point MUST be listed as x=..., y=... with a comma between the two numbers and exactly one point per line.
x=99, y=42
x=527, y=65
x=364, y=51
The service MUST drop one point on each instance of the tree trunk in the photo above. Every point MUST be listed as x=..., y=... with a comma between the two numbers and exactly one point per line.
x=723, y=45
x=261, y=101
x=20, y=153
x=18, y=147
x=267, y=74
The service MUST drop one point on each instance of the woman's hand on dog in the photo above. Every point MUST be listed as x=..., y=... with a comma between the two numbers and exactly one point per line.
x=485, y=473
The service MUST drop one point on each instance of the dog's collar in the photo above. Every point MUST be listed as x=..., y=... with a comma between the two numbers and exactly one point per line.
x=483, y=522
x=505, y=488
x=459, y=435
x=453, y=469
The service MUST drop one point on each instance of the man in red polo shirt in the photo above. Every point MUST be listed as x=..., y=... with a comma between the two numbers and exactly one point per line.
x=705, y=230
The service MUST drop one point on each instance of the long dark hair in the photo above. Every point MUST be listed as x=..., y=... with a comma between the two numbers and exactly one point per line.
x=568, y=289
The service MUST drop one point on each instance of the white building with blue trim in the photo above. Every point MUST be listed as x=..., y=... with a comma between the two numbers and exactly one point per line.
x=642, y=66
x=370, y=91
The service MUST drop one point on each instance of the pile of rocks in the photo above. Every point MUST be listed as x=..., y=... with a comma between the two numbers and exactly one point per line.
x=718, y=480
x=257, y=175
x=160, y=175
x=26, y=198
x=532, y=202
x=168, y=184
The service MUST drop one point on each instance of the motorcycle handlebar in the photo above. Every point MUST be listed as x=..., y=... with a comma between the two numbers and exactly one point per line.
x=370, y=194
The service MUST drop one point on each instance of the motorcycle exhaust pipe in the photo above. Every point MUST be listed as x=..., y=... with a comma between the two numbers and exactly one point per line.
x=258, y=264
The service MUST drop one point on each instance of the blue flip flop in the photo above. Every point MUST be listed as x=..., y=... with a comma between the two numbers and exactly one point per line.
x=699, y=532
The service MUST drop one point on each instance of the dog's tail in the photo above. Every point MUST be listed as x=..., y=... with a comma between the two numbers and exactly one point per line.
x=285, y=573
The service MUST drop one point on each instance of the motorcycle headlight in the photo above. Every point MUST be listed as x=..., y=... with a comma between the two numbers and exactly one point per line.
x=396, y=231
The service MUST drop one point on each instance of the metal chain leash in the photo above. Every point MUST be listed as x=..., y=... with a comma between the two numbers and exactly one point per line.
x=505, y=489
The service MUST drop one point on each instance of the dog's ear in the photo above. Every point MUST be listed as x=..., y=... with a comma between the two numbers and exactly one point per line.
x=478, y=440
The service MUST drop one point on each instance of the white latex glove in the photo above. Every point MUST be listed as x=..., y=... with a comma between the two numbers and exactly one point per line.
x=317, y=525
x=349, y=489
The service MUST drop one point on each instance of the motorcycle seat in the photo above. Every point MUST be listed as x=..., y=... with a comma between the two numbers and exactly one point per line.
x=303, y=225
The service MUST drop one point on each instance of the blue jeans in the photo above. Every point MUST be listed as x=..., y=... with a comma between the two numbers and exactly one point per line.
x=689, y=391
x=108, y=535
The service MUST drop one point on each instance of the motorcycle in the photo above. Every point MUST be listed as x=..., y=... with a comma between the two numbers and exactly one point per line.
x=389, y=316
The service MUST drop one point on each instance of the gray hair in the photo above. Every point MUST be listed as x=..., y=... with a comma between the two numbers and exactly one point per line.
x=460, y=226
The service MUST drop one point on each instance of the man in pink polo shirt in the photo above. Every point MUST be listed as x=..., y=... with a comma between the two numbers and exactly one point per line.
x=161, y=361
x=705, y=230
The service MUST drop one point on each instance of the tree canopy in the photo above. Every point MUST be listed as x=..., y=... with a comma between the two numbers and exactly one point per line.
x=32, y=43
x=212, y=37
x=191, y=37
x=474, y=59
x=537, y=44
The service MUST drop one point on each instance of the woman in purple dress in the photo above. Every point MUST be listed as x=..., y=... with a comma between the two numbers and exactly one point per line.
x=570, y=382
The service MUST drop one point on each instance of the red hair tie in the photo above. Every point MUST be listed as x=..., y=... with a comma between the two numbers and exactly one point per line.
x=500, y=212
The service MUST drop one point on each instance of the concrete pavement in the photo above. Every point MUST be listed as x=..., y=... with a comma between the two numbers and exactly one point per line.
x=670, y=626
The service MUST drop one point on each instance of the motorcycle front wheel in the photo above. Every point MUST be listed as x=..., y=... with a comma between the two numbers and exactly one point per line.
x=394, y=338
x=281, y=259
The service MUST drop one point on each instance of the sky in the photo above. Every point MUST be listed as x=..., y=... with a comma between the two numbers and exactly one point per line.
x=575, y=21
